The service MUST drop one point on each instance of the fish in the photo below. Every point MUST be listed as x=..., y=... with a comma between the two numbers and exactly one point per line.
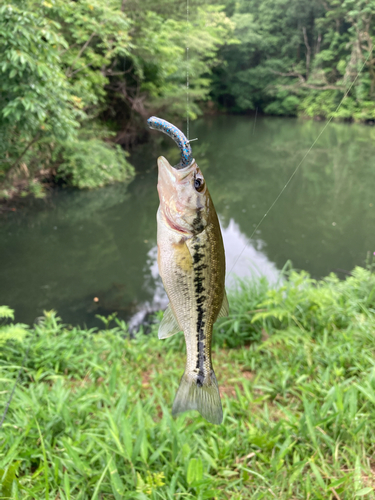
x=191, y=263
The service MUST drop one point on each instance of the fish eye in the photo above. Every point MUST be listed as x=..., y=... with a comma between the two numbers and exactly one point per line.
x=198, y=184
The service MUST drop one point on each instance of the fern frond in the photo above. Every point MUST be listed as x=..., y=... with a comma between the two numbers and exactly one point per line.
x=6, y=312
x=277, y=313
x=12, y=332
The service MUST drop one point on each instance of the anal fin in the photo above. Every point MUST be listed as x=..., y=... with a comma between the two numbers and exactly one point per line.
x=224, y=311
x=168, y=325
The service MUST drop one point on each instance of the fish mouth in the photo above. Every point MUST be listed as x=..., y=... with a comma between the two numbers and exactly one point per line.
x=175, y=173
x=168, y=181
x=169, y=176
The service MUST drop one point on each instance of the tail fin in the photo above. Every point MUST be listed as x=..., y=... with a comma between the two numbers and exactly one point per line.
x=197, y=396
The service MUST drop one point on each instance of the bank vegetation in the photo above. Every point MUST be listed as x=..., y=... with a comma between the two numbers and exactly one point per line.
x=91, y=413
x=79, y=78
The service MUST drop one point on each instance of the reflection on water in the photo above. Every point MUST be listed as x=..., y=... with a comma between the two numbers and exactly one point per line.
x=245, y=258
x=154, y=286
x=64, y=251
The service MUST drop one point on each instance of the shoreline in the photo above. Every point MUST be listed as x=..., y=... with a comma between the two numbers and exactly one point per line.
x=47, y=181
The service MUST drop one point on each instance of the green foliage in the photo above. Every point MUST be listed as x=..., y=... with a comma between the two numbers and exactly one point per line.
x=96, y=34
x=53, y=80
x=9, y=482
x=238, y=329
x=315, y=306
x=152, y=79
x=151, y=483
x=93, y=163
x=324, y=104
x=300, y=57
x=68, y=65
x=30, y=69
x=35, y=100
x=15, y=332
x=91, y=415
x=284, y=104
x=6, y=312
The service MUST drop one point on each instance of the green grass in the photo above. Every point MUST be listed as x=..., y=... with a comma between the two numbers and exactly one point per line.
x=91, y=416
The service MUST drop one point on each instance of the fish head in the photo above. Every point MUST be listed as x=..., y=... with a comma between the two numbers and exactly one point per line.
x=184, y=197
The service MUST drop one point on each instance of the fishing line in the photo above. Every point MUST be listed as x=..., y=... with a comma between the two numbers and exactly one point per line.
x=17, y=380
x=299, y=164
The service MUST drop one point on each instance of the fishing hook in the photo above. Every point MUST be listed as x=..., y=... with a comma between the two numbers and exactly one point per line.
x=179, y=138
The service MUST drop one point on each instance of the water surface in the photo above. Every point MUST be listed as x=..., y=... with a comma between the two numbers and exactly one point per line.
x=76, y=246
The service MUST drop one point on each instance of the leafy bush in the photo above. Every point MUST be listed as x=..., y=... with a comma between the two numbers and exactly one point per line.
x=93, y=163
x=324, y=104
x=239, y=329
x=68, y=65
x=35, y=99
x=284, y=104
x=15, y=332
x=47, y=90
x=318, y=306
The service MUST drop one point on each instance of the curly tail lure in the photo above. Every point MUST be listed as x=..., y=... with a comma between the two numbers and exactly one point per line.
x=179, y=138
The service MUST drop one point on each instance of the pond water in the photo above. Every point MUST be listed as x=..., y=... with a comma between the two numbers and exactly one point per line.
x=74, y=246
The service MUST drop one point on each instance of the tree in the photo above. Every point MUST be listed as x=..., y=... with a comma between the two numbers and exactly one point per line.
x=77, y=77
x=36, y=103
x=299, y=57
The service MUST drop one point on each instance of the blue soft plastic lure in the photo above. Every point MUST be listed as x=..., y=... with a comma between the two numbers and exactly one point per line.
x=179, y=138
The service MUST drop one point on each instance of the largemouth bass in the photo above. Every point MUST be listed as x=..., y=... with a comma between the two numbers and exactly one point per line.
x=192, y=267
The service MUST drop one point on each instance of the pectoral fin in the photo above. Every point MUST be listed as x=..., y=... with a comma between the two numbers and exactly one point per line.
x=168, y=325
x=224, y=311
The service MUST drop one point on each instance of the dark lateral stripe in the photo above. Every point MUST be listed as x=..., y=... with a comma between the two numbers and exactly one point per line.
x=200, y=299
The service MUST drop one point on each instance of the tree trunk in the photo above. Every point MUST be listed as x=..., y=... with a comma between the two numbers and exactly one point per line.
x=308, y=52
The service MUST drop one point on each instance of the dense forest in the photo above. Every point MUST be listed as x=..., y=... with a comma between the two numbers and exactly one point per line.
x=79, y=78
x=301, y=57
